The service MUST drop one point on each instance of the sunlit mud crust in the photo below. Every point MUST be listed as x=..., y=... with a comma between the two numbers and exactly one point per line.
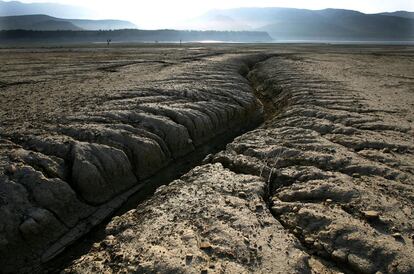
x=64, y=173
x=325, y=185
x=339, y=169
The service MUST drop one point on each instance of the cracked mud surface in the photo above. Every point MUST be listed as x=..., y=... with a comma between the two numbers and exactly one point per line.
x=94, y=126
x=163, y=235
x=324, y=185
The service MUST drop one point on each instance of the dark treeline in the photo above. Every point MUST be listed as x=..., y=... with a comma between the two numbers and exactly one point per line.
x=131, y=35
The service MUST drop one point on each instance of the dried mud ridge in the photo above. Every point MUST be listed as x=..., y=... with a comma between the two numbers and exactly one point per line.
x=323, y=186
x=60, y=180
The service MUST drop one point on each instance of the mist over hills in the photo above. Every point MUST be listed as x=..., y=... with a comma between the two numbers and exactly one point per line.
x=302, y=24
x=45, y=22
x=51, y=16
x=48, y=29
x=282, y=24
x=13, y=8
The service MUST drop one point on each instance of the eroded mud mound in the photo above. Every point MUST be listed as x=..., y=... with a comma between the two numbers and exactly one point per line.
x=68, y=165
x=325, y=185
x=340, y=172
x=210, y=219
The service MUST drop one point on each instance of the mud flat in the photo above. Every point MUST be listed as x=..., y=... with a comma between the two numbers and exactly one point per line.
x=84, y=129
x=324, y=185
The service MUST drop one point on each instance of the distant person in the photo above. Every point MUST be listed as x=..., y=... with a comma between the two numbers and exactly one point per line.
x=108, y=41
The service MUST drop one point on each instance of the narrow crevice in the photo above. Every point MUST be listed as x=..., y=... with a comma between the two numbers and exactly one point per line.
x=166, y=175
x=283, y=97
x=270, y=188
x=275, y=98
x=267, y=95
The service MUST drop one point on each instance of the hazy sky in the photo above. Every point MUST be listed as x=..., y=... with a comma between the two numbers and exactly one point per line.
x=162, y=13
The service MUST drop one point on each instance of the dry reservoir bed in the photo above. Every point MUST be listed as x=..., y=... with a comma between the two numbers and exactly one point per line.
x=324, y=185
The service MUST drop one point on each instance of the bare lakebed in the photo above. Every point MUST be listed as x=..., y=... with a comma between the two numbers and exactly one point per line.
x=265, y=158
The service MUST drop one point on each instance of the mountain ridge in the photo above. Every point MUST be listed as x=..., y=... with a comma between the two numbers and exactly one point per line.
x=400, y=13
x=45, y=22
x=281, y=23
x=326, y=24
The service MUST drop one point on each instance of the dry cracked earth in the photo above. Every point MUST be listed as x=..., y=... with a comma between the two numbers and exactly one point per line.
x=272, y=159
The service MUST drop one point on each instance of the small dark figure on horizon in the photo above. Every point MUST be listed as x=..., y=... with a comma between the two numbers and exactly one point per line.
x=108, y=41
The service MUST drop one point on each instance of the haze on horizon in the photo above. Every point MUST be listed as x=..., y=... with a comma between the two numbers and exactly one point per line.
x=169, y=14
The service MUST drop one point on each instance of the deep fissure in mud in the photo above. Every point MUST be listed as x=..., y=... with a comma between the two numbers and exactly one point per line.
x=163, y=177
x=312, y=171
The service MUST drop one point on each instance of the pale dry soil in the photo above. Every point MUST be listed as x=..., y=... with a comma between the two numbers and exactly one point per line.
x=324, y=185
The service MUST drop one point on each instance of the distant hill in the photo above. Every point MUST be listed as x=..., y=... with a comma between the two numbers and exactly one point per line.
x=302, y=24
x=109, y=24
x=211, y=21
x=45, y=22
x=129, y=35
x=401, y=13
x=13, y=8
x=35, y=22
